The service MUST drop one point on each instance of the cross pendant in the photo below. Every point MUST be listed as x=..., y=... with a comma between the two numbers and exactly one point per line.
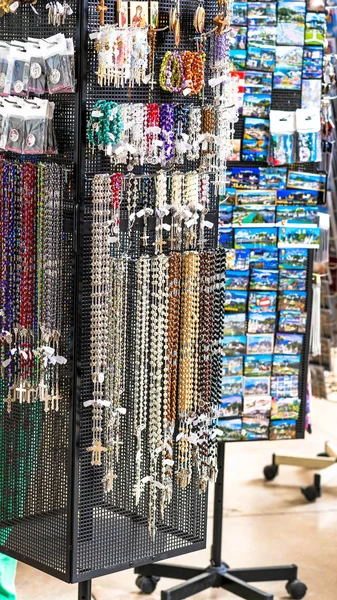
x=109, y=481
x=30, y=393
x=10, y=398
x=159, y=244
x=145, y=237
x=97, y=449
x=55, y=402
x=102, y=9
x=21, y=391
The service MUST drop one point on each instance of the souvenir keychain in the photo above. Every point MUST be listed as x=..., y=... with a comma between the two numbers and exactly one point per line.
x=308, y=125
x=282, y=137
x=199, y=18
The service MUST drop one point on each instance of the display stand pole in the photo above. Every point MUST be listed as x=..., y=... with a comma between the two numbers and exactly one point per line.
x=218, y=574
x=84, y=590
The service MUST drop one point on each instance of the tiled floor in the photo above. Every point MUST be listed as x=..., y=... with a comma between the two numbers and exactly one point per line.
x=264, y=524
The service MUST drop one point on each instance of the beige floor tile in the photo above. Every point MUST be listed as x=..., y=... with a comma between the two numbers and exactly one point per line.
x=264, y=524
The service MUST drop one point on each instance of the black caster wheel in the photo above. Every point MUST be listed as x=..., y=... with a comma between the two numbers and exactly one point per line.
x=147, y=585
x=296, y=589
x=310, y=493
x=270, y=472
x=323, y=454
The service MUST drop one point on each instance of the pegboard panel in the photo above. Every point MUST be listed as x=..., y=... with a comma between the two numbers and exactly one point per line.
x=34, y=486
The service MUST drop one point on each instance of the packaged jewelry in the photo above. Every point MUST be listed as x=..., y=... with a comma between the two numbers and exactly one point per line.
x=20, y=59
x=15, y=127
x=282, y=137
x=5, y=72
x=308, y=126
x=35, y=127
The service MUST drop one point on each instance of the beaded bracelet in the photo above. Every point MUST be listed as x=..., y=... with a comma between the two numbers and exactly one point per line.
x=105, y=125
x=193, y=64
x=171, y=76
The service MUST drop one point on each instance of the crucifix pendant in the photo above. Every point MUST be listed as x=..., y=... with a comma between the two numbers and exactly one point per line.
x=97, y=450
x=20, y=391
x=10, y=398
x=102, y=9
x=108, y=481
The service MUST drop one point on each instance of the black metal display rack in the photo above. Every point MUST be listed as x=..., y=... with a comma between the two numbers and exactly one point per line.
x=54, y=515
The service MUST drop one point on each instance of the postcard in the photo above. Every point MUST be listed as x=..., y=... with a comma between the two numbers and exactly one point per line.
x=293, y=258
x=229, y=430
x=294, y=197
x=292, y=321
x=292, y=301
x=255, y=428
x=263, y=35
x=236, y=280
x=302, y=236
x=262, y=302
x=260, y=344
x=288, y=68
x=253, y=215
x=316, y=5
x=235, y=301
x=236, y=151
x=255, y=237
x=311, y=93
x=255, y=139
x=234, y=324
x=256, y=105
x=240, y=40
x=232, y=365
x=290, y=215
x=238, y=260
x=273, y=178
x=257, y=82
x=293, y=279
x=286, y=364
x=231, y=386
x=315, y=27
x=261, y=322
x=291, y=11
x=256, y=386
x=290, y=33
x=257, y=406
x=239, y=13
x=225, y=237
x=307, y=181
x=234, y=345
x=225, y=215
x=238, y=58
x=260, y=279
x=230, y=406
x=228, y=198
x=312, y=63
x=245, y=179
x=261, y=13
x=287, y=343
x=261, y=58
x=283, y=430
x=285, y=385
x=285, y=408
x=256, y=366
x=263, y=259
x=261, y=197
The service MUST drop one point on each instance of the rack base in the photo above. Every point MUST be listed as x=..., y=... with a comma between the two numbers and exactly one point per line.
x=236, y=581
x=324, y=463
x=219, y=574
x=84, y=590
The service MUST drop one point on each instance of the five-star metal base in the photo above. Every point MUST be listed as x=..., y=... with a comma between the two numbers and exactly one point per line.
x=218, y=575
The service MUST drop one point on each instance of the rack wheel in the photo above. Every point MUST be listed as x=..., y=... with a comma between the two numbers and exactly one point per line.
x=147, y=584
x=323, y=454
x=270, y=472
x=310, y=493
x=296, y=589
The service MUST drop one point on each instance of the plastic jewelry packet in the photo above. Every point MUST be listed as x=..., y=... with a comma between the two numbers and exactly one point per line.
x=308, y=126
x=19, y=59
x=282, y=137
x=57, y=53
x=26, y=126
x=5, y=69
